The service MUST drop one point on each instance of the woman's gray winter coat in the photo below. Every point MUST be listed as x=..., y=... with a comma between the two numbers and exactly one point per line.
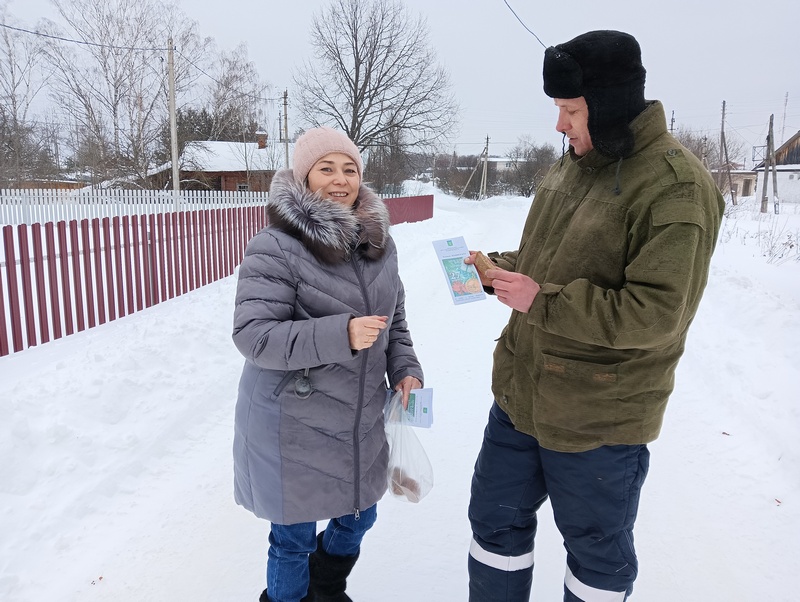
x=317, y=265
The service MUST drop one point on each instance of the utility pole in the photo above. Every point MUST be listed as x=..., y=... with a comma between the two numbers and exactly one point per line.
x=776, y=202
x=728, y=170
x=173, y=129
x=482, y=194
x=485, y=153
x=672, y=123
x=704, y=154
x=721, y=144
x=767, y=156
x=783, y=125
x=286, y=125
x=723, y=156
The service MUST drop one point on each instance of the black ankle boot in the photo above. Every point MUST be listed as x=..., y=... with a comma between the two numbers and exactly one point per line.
x=328, y=575
x=265, y=598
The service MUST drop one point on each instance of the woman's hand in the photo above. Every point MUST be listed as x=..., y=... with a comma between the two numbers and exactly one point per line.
x=364, y=331
x=405, y=386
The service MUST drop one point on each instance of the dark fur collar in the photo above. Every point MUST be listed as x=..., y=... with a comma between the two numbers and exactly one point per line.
x=329, y=230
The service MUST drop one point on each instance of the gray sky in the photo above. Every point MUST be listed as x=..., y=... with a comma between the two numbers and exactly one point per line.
x=697, y=53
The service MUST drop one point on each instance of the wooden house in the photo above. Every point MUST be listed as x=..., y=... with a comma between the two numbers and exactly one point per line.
x=226, y=166
x=787, y=162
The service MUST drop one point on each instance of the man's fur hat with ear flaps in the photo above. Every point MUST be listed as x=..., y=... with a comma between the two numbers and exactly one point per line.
x=605, y=67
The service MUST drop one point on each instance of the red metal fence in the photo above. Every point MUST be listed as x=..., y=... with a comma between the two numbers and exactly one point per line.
x=70, y=276
x=410, y=208
x=64, y=277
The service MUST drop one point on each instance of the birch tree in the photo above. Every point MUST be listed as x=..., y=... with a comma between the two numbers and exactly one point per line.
x=23, y=153
x=110, y=78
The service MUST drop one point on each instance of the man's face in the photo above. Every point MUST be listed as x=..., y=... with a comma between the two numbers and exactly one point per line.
x=573, y=120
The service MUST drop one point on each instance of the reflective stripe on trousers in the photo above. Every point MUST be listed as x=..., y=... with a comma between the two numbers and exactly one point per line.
x=572, y=585
x=501, y=563
x=586, y=593
x=594, y=495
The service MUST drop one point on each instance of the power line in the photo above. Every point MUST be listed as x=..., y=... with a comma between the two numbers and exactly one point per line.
x=211, y=77
x=84, y=43
x=99, y=45
x=523, y=24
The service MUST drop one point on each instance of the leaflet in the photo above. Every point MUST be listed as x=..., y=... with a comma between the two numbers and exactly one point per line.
x=420, y=408
x=462, y=279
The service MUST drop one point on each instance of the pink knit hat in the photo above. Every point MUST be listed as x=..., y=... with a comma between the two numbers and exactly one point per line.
x=315, y=144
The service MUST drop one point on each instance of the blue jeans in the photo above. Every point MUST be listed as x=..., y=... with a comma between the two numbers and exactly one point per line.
x=594, y=496
x=290, y=545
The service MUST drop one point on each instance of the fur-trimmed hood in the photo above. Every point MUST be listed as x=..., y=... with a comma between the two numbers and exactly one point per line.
x=329, y=230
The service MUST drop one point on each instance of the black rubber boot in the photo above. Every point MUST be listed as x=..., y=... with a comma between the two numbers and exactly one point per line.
x=329, y=575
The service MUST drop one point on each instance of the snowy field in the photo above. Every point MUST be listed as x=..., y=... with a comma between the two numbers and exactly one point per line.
x=115, y=444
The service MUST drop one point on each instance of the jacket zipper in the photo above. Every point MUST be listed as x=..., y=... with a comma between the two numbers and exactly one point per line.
x=359, y=404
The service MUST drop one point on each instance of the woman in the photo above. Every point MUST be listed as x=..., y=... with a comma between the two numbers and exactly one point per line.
x=320, y=319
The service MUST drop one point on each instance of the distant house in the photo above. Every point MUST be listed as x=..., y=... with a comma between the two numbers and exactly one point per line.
x=742, y=180
x=50, y=184
x=787, y=162
x=227, y=166
x=504, y=163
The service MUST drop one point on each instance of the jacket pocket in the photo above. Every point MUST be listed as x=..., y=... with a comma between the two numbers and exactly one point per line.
x=577, y=395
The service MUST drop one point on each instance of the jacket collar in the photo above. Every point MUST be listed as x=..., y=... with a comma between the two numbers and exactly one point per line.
x=329, y=230
x=646, y=127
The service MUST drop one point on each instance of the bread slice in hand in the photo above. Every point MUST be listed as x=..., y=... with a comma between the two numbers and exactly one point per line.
x=483, y=263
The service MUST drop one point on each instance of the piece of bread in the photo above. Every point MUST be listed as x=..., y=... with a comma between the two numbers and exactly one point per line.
x=483, y=263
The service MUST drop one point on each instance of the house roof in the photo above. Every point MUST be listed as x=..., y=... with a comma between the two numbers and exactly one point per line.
x=786, y=154
x=788, y=168
x=216, y=156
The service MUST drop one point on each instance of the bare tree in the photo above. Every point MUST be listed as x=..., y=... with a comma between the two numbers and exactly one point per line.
x=706, y=147
x=238, y=97
x=375, y=73
x=529, y=164
x=388, y=165
x=112, y=84
x=233, y=108
x=21, y=80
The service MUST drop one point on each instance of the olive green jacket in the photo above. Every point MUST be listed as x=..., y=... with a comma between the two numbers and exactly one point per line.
x=593, y=361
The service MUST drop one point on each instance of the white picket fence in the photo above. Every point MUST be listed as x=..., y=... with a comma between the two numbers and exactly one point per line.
x=42, y=206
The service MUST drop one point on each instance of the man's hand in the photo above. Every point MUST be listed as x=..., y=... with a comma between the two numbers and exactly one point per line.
x=482, y=275
x=515, y=290
x=405, y=386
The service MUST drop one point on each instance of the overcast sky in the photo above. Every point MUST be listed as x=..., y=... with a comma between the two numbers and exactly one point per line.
x=697, y=53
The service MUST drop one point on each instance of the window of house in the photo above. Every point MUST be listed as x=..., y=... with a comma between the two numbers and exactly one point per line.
x=242, y=187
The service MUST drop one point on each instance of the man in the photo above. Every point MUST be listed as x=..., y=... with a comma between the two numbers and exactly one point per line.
x=612, y=263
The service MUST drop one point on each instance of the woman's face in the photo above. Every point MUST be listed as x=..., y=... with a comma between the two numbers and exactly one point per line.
x=336, y=178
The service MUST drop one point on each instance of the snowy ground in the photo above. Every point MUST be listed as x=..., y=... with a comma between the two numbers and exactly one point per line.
x=115, y=444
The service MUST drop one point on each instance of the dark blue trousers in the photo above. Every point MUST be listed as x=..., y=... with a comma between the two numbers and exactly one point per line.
x=594, y=496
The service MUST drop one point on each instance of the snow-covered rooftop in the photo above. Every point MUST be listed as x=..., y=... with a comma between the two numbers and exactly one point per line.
x=232, y=156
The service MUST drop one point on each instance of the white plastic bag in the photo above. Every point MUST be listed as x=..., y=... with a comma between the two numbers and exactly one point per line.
x=410, y=473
